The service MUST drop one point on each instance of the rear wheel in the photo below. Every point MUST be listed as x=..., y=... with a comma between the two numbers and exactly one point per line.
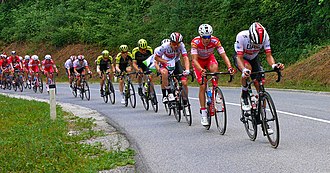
x=20, y=85
x=270, y=120
x=185, y=105
x=144, y=98
x=132, y=97
x=41, y=87
x=220, y=111
x=106, y=93
x=74, y=89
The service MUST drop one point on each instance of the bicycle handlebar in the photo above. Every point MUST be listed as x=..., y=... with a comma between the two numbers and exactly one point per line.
x=277, y=70
x=180, y=75
x=217, y=73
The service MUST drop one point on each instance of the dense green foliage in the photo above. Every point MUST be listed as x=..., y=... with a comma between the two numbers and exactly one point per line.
x=294, y=26
x=31, y=142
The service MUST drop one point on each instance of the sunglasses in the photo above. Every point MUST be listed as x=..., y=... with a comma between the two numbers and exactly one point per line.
x=206, y=37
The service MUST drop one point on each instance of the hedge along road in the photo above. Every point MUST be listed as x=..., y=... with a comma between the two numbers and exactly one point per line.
x=164, y=145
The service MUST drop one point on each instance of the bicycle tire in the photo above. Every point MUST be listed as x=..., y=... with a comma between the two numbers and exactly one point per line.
x=269, y=119
x=250, y=122
x=106, y=91
x=20, y=85
x=144, y=97
x=74, y=89
x=35, y=87
x=86, y=90
x=41, y=87
x=132, y=97
x=207, y=127
x=184, y=105
x=15, y=86
x=220, y=115
x=153, y=98
x=82, y=90
x=111, y=92
x=9, y=84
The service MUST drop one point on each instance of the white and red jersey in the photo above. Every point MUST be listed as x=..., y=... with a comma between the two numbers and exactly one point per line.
x=243, y=45
x=48, y=65
x=68, y=64
x=25, y=64
x=15, y=61
x=80, y=64
x=34, y=65
x=204, y=52
x=4, y=63
x=166, y=52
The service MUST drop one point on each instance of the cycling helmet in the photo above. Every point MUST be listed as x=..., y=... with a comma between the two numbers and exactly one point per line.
x=3, y=56
x=27, y=57
x=165, y=41
x=20, y=58
x=13, y=52
x=72, y=57
x=35, y=57
x=105, y=53
x=48, y=57
x=257, y=33
x=176, y=37
x=123, y=48
x=81, y=57
x=205, y=30
x=142, y=44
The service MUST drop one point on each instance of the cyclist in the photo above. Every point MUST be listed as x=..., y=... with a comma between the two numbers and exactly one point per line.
x=34, y=65
x=124, y=63
x=69, y=68
x=140, y=54
x=170, y=52
x=247, y=47
x=26, y=67
x=48, y=66
x=5, y=67
x=79, y=67
x=202, y=48
x=104, y=65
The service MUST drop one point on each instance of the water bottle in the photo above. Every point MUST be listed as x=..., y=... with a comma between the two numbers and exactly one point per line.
x=209, y=96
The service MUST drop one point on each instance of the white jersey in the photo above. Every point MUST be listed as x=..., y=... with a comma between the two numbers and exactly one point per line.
x=78, y=65
x=166, y=52
x=244, y=47
x=68, y=64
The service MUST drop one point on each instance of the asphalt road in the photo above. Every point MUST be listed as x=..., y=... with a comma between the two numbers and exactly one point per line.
x=164, y=145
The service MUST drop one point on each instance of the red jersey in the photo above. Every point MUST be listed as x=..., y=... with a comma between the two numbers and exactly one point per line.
x=48, y=65
x=205, y=52
x=4, y=63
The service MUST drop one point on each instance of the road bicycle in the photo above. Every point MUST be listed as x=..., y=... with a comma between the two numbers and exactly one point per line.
x=216, y=105
x=109, y=90
x=149, y=93
x=7, y=81
x=181, y=105
x=18, y=81
x=129, y=92
x=83, y=89
x=262, y=110
x=37, y=83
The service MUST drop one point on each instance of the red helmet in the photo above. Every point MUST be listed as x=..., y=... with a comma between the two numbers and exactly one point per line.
x=176, y=37
x=257, y=33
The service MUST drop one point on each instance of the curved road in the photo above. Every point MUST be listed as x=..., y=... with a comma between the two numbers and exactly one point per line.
x=165, y=145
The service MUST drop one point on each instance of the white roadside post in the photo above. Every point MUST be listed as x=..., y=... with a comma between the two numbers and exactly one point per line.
x=52, y=101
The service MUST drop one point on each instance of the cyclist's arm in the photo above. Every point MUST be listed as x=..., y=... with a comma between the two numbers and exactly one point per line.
x=159, y=59
x=117, y=67
x=195, y=61
x=135, y=65
x=156, y=65
x=270, y=59
x=240, y=62
x=186, y=62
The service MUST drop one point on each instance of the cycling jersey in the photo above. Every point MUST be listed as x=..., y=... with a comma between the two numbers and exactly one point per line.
x=166, y=52
x=15, y=61
x=123, y=62
x=249, y=51
x=140, y=57
x=48, y=65
x=104, y=63
x=26, y=65
x=78, y=65
x=34, y=65
x=68, y=64
x=205, y=52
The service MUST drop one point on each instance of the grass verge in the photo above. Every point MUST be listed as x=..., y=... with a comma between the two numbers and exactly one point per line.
x=31, y=142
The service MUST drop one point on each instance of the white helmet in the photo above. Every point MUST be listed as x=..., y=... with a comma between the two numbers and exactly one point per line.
x=81, y=57
x=48, y=57
x=165, y=41
x=35, y=57
x=205, y=30
x=257, y=33
x=176, y=37
x=72, y=57
x=27, y=57
x=20, y=58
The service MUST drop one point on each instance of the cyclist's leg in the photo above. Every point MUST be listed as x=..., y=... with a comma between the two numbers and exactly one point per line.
x=164, y=85
x=179, y=70
x=144, y=68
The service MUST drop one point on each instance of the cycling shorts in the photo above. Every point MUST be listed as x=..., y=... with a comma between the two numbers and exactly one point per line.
x=205, y=64
x=255, y=64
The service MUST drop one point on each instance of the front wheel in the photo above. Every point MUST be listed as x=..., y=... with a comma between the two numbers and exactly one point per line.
x=153, y=98
x=86, y=90
x=111, y=92
x=41, y=85
x=250, y=122
x=185, y=105
x=144, y=98
x=220, y=111
x=132, y=97
x=270, y=120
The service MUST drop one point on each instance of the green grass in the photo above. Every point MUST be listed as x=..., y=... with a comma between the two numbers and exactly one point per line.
x=31, y=142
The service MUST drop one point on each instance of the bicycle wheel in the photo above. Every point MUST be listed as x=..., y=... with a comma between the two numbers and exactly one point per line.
x=41, y=87
x=74, y=89
x=270, y=120
x=86, y=90
x=220, y=111
x=176, y=110
x=153, y=98
x=106, y=93
x=132, y=97
x=15, y=85
x=185, y=105
x=250, y=122
x=208, y=114
x=20, y=85
x=144, y=98
x=35, y=86
x=82, y=90
x=111, y=92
